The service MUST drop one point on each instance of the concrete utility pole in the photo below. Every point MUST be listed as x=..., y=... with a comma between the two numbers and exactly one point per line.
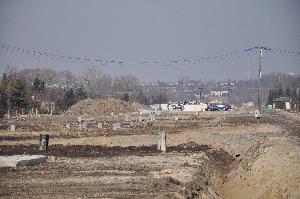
x=259, y=77
x=200, y=94
x=257, y=112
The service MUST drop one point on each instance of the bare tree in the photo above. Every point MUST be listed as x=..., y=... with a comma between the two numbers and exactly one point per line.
x=91, y=80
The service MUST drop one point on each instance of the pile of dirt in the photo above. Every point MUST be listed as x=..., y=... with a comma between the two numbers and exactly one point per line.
x=101, y=107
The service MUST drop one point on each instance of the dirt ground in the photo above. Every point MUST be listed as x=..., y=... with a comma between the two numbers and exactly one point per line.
x=209, y=155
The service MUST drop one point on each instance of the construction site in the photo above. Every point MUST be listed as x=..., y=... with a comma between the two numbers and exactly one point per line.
x=116, y=149
x=150, y=99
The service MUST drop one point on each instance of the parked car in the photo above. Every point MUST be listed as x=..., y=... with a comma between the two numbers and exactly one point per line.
x=175, y=106
x=218, y=107
x=223, y=107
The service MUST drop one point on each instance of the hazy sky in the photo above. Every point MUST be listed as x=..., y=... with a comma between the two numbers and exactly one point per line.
x=152, y=30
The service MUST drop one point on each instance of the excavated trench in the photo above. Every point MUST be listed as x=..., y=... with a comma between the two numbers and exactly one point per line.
x=233, y=157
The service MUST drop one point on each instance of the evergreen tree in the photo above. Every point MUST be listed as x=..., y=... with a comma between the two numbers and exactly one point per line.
x=294, y=92
x=3, y=96
x=280, y=91
x=81, y=94
x=38, y=85
x=17, y=93
x=159, y=99
x=288, y=92
x=126, y=97
x=271, y=97
x=69, y=98
x=141, y=98
x=2, y=102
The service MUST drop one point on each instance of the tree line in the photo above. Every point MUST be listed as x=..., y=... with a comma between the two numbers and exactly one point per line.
x=48, y=90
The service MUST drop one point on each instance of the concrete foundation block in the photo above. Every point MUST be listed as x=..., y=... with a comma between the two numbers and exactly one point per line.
x=21, y=160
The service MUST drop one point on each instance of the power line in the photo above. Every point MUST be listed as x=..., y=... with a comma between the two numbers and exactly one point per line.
x=200, y=60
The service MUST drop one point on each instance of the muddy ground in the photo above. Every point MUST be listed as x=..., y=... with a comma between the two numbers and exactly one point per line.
x=209, y=155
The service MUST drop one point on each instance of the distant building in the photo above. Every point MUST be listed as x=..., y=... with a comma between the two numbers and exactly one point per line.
x=219, y=93
x=248, y=104
x=227, y=83
x=282, y=103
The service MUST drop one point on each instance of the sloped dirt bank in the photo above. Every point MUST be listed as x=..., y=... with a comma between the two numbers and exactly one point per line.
x=269, y=168
x=233, y=157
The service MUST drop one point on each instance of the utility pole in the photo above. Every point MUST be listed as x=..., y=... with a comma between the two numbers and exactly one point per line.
x=257, y=112
x=259, y=77
x=200, y=95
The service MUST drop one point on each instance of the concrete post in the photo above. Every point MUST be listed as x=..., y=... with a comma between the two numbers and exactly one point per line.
x=118, y=125
x=12, y=128
x=152, y=118
x=44, y=141
x=114, y=127
x=82, y=126
x=68, y=126
x=140, y=119
x=99, y=125
x=126, y=118
x=162, y=141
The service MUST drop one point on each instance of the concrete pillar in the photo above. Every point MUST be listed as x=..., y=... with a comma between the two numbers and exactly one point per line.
x=162, y=141
x=12, y=128
x=68, y=126
x=140, y=119
x=126, y=118
x=114, y=127
x=118, y=125
x=152, y=117
x=44, y=141
x=82, y=126
x=99, y=125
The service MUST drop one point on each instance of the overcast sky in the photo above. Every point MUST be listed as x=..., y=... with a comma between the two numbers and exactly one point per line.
x=152, y=30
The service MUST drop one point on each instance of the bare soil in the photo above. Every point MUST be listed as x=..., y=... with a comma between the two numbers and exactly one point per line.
x=209, y=155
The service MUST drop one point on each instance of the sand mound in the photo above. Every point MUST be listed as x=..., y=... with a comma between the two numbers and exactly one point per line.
x=101, y=107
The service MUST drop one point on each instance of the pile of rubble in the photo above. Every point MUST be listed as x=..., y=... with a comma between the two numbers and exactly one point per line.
x=94, y=108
